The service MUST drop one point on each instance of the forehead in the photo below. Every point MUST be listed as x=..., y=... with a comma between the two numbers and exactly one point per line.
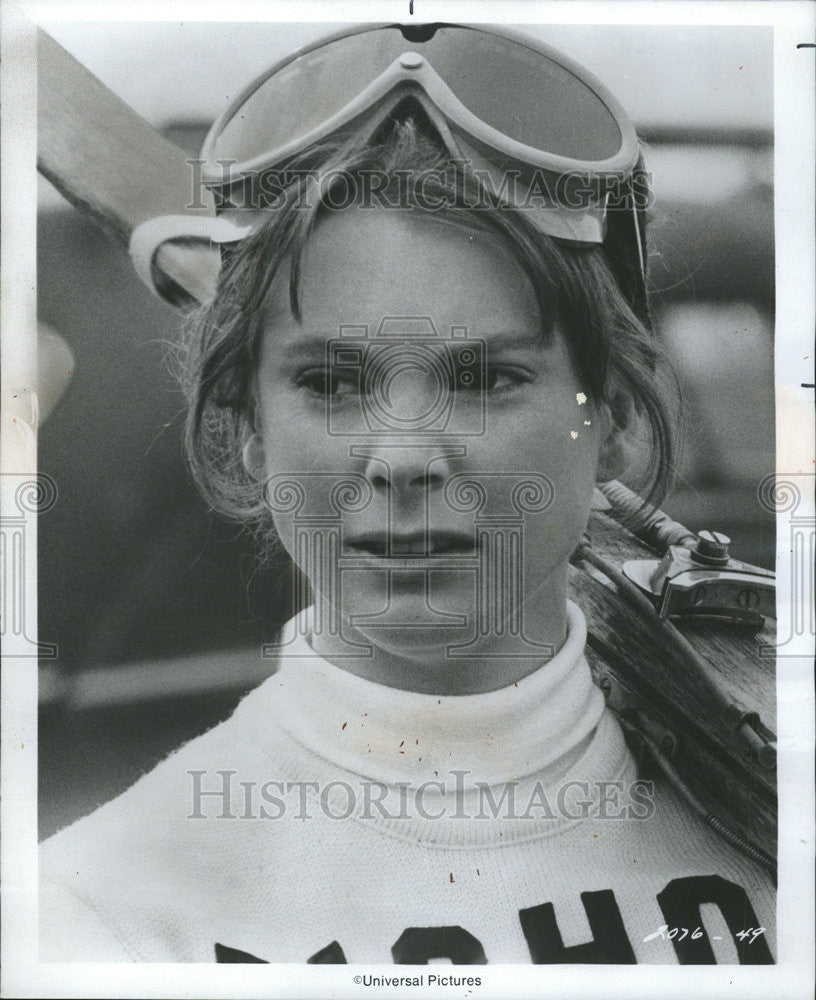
x=363, y=266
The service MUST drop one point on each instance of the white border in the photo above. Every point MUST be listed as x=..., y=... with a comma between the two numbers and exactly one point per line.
x=795, y=111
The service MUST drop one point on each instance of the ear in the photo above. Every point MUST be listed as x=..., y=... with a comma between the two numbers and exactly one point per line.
x=253, y=453
x=617, y=452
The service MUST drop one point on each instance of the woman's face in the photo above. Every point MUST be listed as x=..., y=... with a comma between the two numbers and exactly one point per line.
x=429, y=464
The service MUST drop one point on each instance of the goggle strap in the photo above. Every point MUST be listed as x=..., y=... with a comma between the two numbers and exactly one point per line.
x=149, y=236
x=585, y=226
x=641, y=256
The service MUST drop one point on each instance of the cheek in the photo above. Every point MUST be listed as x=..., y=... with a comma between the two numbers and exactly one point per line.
x=555, y=442
x=307, y=482
x=553, y=535
x=284, y=528
x=573, y=469
x=553, y=433
x=295, y=438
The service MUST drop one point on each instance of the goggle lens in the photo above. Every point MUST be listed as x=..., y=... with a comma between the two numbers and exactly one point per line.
x=517, y=90
x=304, y=93
x=523, y=94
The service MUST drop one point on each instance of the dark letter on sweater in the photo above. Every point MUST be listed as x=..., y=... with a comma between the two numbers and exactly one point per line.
x=418, y=944
x=225, y=954
x=680, y=902
x=332, y=954
x=609, y=945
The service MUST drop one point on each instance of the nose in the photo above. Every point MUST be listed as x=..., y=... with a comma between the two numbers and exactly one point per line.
x=408, y=391
x=406, y=469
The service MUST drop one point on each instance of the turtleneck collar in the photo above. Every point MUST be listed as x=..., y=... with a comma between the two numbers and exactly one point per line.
x=539, y=724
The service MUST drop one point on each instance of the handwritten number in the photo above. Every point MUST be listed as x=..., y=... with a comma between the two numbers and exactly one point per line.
x=660, y=932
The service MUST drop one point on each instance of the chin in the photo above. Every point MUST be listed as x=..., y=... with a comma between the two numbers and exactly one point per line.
x=417, y=601
x=416, y=616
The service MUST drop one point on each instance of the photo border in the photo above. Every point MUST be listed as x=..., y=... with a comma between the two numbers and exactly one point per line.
x=792, y=976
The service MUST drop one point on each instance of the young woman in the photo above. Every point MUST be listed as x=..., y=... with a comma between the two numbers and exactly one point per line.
x=428, y=343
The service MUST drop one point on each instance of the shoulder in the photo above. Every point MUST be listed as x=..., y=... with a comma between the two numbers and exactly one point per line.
x=119, y=865
x=160, y=799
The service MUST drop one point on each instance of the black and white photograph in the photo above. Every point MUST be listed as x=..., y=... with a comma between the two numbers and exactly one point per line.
x=408, y=521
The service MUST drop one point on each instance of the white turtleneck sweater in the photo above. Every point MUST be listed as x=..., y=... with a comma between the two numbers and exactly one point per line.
x=333, y=819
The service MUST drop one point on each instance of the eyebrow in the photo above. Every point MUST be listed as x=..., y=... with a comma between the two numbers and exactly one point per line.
x=305, y=344
x=511, y=339
x=316, y=343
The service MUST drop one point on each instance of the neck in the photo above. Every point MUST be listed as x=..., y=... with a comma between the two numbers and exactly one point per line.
x=444, y=660
x=388, y=735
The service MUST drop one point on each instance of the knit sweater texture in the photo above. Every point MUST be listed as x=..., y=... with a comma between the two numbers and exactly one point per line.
x=331, y=819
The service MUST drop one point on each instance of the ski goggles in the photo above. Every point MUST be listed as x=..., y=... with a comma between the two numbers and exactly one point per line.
x=501, y=103
x=538, y=130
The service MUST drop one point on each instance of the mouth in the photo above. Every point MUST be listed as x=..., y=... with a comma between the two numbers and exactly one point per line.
x=416, y=545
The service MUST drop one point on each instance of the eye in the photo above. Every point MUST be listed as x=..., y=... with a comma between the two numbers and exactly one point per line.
x=327, y=383
x=498, y=378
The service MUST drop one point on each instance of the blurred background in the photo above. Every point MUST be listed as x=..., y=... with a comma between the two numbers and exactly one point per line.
x=158, y=608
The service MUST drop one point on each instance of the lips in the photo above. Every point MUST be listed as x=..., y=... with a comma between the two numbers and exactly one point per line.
x=417, y=545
